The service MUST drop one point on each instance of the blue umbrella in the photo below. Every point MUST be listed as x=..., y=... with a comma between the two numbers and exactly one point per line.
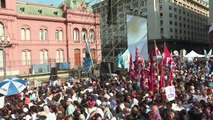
x=12, y=86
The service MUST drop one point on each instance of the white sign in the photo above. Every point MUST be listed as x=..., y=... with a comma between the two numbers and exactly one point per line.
x=2, y=101
x=170, y=93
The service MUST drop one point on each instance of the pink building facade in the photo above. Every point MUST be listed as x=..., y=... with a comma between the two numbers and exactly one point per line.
x=47, y=35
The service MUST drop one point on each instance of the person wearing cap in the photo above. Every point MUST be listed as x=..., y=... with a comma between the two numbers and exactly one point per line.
x=70, y=107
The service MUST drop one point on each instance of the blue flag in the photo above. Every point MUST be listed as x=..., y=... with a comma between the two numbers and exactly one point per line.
x=120, y=60
x=88, y=63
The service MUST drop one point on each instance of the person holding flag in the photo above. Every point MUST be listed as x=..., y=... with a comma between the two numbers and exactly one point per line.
x=88, y=63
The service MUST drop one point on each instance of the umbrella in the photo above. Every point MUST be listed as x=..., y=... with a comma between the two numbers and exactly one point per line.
x=12, y=86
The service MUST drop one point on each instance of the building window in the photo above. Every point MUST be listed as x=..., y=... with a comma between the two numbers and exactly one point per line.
x=175, y=9
x=161, y=31
x=84, y=34
x=161, y=7
x=22, y=10
x=43, y=34
x=175, y=23
x=40, y=11
x=77, y=57
x=1, y=59
x=58, y=35
x=43, y=56
x=74, y=2
x=2, y=4
x=161, y=15
x=161, y=23
x=171, y=30
x=59, y=56
x=91, y=35
x=170, y=22
x=170, y=7
x=55, y=13
x=92, y=53
x=25, y=33
x=76, y=35
x=170, y=14
x=26, y=57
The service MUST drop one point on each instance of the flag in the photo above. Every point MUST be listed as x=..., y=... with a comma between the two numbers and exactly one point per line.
x=168, y=60
x=88, y=63
x=157, y=52
x=126, y=59
x=159, y=57
x=120, y=60
x=138, y=64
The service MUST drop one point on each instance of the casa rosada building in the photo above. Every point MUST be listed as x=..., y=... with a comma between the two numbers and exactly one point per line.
x=42, y=36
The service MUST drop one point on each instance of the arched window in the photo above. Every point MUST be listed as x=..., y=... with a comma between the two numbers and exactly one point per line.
x=1, y=52
x=2, y=4
x=84, y=34
x=58, y=35
x=27, y=34
x=22, y=34
x=1, y=29
x=92, y=53
x=43, y=34
x=26, y=57
x=59, y=56
x=43, y=56
x=91, y=35
x=77, y=57
x=76, y=35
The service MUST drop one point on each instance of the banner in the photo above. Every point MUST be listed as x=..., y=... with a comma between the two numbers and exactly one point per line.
x=170, y=93
x=137, y=36
x=2, y=101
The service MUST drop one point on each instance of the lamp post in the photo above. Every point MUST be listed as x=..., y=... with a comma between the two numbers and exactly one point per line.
x=3, y=46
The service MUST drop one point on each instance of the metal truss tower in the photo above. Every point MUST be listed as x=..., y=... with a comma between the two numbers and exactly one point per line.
x=114, y=35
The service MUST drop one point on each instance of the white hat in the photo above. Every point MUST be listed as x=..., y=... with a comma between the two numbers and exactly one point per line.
x=25, y=110
x=70, y=100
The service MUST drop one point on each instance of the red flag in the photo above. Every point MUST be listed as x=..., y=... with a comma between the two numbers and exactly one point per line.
x=168, y=60
x=138, y=64
x=157, y=52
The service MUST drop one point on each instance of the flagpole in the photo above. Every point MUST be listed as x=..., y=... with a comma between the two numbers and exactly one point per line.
x=156, y=57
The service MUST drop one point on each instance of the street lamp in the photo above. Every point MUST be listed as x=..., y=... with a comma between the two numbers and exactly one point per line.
x=3, y=46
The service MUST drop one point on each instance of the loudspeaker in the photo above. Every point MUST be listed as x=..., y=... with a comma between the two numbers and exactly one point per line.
x=54, y=73
x=107, y=67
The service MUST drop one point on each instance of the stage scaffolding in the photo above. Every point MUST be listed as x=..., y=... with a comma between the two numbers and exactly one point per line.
x=114, y=34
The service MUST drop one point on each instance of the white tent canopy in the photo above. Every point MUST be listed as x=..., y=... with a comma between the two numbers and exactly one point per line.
x=193, y=54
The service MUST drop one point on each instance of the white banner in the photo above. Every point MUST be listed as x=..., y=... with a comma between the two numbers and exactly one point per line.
x=170, y=93
x=137, y=36
x=2, y=101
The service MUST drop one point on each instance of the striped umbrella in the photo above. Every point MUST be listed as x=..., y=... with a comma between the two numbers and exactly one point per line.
x=12, y=86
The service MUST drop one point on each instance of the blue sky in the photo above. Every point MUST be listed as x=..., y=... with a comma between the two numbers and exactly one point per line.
x=54, y=2
x=57, y=2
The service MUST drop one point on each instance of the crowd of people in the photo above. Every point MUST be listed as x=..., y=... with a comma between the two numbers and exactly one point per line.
x=116, y=98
